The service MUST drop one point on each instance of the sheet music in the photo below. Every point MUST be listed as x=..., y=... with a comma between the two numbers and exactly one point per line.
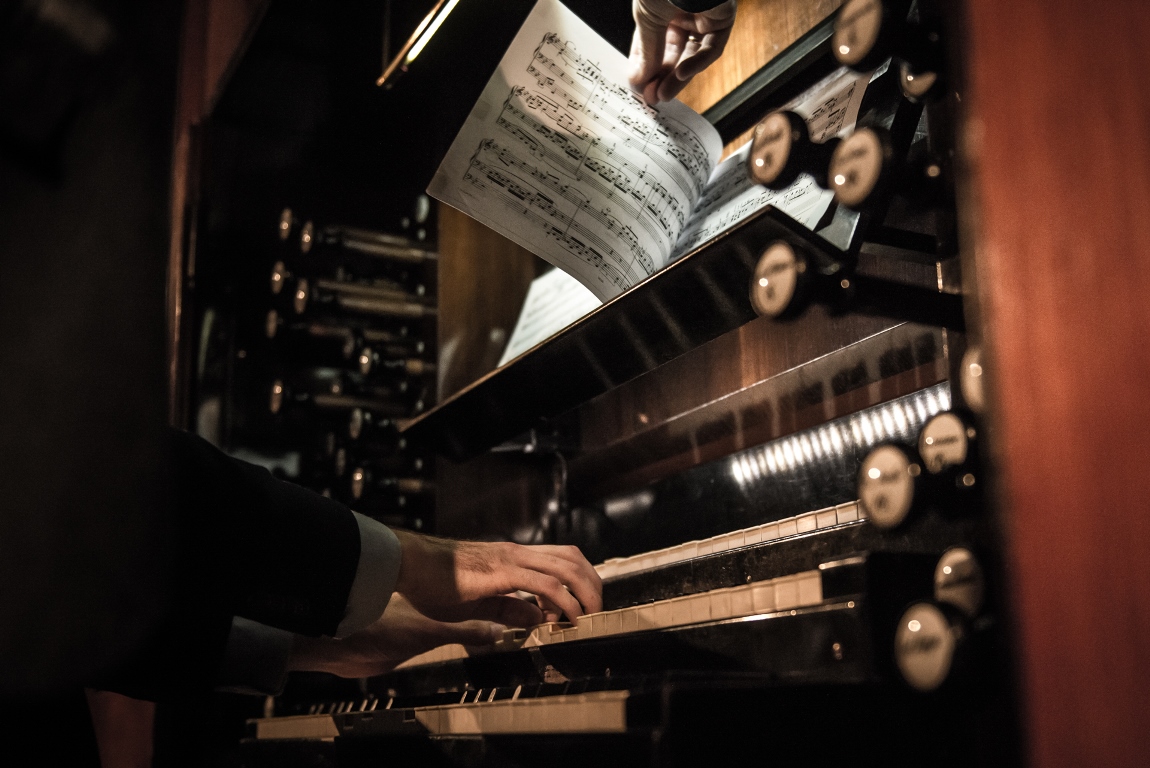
x=561, y=157
x=830, y=108
x=554, y=301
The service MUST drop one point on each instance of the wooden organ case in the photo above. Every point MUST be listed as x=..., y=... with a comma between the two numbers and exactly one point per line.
x=806, y=507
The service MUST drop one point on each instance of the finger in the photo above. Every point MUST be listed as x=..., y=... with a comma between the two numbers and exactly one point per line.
x=473, y=632
x=550, y=612
x=578, y=578
x=646, y=45
x=550, y=588
x=710, y=49
x=651, y=92
x=670, y=86
x=675, y=47
x=690, y=49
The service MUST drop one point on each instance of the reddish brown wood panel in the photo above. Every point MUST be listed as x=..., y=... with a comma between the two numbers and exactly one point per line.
x=231, y=24
x=189, y=111
x=214, y=36
x=763, y=28
x=1061, y=145
x=483, y=279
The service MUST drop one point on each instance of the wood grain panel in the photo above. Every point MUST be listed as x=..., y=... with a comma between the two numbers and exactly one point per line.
x=782, y=404
x=483, y=279
x=763, y=29
x=1061, y=146
x=214, y=36
x=231, y=24
x=736, y=360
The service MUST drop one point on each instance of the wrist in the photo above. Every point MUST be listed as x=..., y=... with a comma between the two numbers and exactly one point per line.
x=409, y=545
x=310, y=654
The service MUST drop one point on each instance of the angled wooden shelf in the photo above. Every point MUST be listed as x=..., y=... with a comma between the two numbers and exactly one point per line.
x=694, y=300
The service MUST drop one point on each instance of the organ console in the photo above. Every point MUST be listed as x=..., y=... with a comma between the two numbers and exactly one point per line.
x=769, y=450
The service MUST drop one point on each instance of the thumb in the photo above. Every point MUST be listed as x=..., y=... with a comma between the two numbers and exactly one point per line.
x=475, y=632
x=510, y=611
x=646, y=45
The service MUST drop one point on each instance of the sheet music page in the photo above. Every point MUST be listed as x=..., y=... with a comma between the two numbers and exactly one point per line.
x=554, y=301
x=559, y=156
x=830, y=108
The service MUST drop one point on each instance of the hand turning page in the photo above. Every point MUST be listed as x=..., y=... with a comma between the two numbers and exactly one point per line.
x=561, y=157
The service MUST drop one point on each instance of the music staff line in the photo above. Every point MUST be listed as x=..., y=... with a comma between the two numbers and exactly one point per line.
x=571, y=134
x=610, y=191
x=685, y=146
x=625, y=175
x=590, y=71
x=696, y=232
x=520, y=195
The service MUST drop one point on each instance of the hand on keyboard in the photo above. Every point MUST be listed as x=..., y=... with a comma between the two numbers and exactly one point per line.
x=459, y=580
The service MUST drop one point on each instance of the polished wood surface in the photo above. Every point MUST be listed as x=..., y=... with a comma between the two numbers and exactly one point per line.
x=1060, y=141
x=215, y=34
x=483, y=279
x=763, y=29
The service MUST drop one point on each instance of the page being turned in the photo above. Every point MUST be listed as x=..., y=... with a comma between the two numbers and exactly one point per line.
x=561, y=157
x=830, y=108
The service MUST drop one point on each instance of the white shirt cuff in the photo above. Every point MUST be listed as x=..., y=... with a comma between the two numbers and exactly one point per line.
x=375, y=577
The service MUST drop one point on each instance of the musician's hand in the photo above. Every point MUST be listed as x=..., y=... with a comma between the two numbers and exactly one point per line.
x=402, y=632
x=670, y=46
x=458, y=580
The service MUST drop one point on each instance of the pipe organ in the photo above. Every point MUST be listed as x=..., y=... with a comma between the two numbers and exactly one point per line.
x=777, y=451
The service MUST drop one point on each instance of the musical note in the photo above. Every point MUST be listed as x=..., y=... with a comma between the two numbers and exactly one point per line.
x=561, y=157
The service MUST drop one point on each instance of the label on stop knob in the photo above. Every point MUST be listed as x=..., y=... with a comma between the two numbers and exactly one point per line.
x=856, y=30
x=775, y=279
x=856, y=167
x=924, y=646
x=944, y=442
x=886, y=486
x=771, y=148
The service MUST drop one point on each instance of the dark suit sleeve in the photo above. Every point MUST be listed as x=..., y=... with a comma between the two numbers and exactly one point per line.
x=270, y=551
x=245, y=544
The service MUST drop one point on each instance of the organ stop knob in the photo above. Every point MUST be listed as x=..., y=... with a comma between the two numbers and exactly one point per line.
x=782, y=149
x=868, y=32
x=959, y=581
x=947, y=446
x=925, y=644
x=889, y=483
x=860, y=166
